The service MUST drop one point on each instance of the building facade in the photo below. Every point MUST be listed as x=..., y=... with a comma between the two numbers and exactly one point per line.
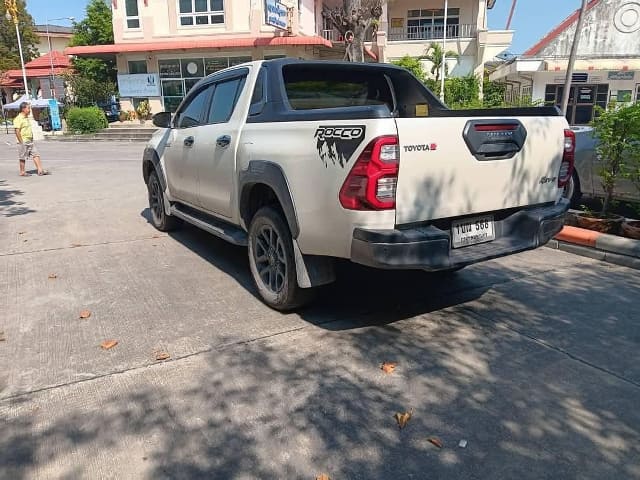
x=607, y=67
x=59, y=36
x=163, y=47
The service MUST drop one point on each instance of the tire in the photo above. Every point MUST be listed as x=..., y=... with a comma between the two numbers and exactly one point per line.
x=572, y=190
x=159, y=217
x=272, y=261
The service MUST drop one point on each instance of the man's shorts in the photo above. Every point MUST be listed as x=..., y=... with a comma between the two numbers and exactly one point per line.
x=27, y=150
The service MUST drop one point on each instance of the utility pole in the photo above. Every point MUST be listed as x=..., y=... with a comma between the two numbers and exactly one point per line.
x=572, y=58
x=444, y=50
x=12, y=15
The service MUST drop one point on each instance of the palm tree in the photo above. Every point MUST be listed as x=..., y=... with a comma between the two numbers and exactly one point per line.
x=435, y=56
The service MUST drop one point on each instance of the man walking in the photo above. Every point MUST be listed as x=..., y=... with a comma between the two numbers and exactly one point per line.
x=24, y=134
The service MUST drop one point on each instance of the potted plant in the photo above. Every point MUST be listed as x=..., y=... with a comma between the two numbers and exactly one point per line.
x=123, y=116
x=143, y=110
x=618, y=133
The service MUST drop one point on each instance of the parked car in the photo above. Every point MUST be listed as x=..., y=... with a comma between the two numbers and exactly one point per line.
x=306, y=162
x=585, y=180
x=111, y=110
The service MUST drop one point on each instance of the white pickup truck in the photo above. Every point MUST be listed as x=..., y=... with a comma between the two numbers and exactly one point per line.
x=306, y=162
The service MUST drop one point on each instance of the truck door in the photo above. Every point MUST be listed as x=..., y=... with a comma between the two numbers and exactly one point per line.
x=217, y=145
x=180, y=154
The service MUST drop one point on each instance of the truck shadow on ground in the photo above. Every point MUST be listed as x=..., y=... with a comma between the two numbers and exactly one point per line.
x=364, y=296
x=318, y=402
x=10, y=206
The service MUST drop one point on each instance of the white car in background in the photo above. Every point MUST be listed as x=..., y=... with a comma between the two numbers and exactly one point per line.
x=585, y=180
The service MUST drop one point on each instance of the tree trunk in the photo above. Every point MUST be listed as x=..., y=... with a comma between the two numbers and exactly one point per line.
x=354, y=20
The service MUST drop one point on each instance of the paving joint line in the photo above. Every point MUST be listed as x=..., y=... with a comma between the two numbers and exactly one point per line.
x=560, y=350
x=83, y=245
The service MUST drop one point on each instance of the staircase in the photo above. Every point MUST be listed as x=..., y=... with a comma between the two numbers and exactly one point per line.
x=117, y=132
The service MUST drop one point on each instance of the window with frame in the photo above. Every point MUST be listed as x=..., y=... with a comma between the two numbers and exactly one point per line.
x=137, y=66
x=200, y=12
x=224, y=100
x=192, y=114
x=426, y=24
x=638, y=93
x=132, y=13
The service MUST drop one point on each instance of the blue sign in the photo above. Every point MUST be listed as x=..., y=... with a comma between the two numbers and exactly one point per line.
x=276, y=14
x=54, y=114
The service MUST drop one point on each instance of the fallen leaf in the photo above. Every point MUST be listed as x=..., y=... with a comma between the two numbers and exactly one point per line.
x=85, y=314
x=435, y=441
x=52, y=276
x=323, y=476
x=21, y=233
x=403, y=418
x=108, y=344
x=25, y=240
x=162, y=356
x=2, y=337
x=388, y=367
x=76, y=245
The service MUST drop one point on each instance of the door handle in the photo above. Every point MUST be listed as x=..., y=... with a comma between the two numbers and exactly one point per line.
x=189, y=141
x=223, y=141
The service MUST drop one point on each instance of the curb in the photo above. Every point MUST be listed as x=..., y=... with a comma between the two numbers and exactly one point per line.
x=599, y=246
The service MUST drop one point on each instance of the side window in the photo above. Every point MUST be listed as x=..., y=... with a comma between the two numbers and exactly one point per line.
x=191, y=115
x=224, y=100
x=258, y=91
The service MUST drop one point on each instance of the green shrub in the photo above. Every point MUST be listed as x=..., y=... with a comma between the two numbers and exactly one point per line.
x=413, y=64
x=86, y=120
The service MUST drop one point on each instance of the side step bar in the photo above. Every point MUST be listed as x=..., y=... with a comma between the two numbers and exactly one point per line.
x=208, y=223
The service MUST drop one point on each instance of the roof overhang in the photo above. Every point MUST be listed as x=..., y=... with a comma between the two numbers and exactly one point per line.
x=251, y=42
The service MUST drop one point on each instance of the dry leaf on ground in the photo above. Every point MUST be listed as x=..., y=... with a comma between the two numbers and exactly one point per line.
x=388, y=367
x=2, y=337
x=162, y=356
x=85, y=314
x=323, y=476
x=75, y=245
x=108, y=344
x=21, y=233
x=403, y=418
x=435, y=441
x=52, y=276
x=25, y=240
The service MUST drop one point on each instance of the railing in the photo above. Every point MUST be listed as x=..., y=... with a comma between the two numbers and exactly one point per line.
x=332, y=35
x=431, y=32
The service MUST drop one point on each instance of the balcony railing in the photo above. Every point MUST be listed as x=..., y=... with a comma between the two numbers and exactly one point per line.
x=431, y=32
x=332, y=35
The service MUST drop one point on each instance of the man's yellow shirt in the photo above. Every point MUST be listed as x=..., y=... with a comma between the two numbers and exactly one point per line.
x=23, y=124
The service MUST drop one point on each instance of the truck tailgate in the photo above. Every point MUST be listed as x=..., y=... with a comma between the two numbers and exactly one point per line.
x=458, y=166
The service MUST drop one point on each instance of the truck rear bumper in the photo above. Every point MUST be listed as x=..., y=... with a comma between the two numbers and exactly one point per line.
x=428, y=248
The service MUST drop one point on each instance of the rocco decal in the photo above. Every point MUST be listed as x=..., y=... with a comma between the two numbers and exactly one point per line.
x=338, y=143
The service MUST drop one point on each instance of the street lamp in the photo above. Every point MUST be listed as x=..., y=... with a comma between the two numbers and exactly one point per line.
x=53, y=73
x=12, y=15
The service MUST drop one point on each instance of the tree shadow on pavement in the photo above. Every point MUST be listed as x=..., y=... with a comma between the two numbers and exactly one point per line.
x=314, y=401
x=9, y=205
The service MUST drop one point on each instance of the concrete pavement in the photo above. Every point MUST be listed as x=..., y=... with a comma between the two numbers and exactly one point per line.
x=532, y=359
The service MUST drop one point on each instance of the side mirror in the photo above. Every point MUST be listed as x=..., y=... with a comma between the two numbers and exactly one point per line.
x=162, y=120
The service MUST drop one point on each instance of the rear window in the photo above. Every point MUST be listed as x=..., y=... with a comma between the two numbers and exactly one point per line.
x=312, y=87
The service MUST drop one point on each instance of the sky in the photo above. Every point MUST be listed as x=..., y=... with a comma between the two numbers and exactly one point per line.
x=531, y=21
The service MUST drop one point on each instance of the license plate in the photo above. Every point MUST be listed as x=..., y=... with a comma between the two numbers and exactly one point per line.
x=471, y=231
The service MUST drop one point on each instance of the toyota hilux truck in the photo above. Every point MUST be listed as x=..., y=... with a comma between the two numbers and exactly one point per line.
x=308, y=162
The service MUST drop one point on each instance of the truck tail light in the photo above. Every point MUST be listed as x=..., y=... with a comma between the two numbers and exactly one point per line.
x=568, y=158
x=371, y=183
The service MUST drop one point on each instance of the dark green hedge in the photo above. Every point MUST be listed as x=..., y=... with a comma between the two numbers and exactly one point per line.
x=86, y=120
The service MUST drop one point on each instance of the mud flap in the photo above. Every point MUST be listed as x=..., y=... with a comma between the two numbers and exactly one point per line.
x=313, y=270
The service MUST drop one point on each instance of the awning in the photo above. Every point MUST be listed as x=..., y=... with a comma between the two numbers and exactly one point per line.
x=88, y=50
x=39, y=103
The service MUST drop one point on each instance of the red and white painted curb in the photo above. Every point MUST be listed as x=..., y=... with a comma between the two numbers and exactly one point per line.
x=601, y=246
